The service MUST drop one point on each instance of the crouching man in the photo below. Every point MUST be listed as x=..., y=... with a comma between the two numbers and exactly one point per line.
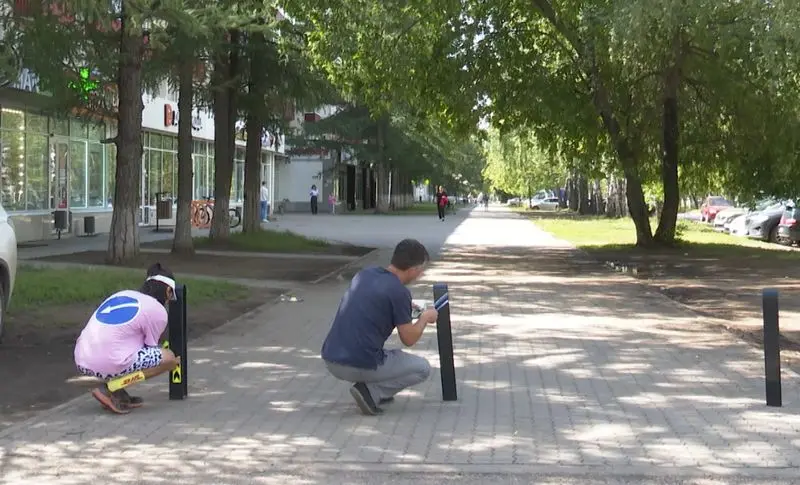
x=376, y=303
x=122, y=337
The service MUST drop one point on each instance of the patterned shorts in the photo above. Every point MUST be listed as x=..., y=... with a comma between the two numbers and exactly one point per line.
x=146, y=358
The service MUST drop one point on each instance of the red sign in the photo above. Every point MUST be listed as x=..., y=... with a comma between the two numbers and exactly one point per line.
x=170, y=116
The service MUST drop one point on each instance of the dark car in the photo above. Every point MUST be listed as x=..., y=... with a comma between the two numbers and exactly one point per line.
x=764, y=224
x=788, y=230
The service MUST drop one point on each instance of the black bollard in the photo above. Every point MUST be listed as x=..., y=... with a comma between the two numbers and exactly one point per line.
x=176, y=325
x=772, y=348
x=444, y=335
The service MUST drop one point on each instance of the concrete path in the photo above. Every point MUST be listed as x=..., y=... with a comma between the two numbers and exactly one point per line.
x=567, y=374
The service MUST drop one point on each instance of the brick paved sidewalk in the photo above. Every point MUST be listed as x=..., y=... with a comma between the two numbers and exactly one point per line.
x=564, y=370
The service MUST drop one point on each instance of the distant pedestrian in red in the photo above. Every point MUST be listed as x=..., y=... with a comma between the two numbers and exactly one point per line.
x=441, y=202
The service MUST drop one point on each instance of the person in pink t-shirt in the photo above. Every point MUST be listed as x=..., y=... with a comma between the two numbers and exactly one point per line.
x=122, y=337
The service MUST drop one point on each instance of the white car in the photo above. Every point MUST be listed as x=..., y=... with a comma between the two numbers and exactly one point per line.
x=725, y=216
x=738, y=226
x=8, y=264
x=550, y=204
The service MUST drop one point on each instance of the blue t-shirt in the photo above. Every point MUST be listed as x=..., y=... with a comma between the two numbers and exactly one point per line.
x=376, y=302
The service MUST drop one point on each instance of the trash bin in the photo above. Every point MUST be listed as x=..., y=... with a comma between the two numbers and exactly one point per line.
x=164, y=209
x=60, y=220
x=88, y=225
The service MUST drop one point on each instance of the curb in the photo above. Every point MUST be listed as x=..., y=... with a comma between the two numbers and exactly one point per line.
x=349, y=265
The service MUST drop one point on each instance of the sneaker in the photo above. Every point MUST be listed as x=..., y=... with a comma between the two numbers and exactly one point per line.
x=128, y=401
x=364, y=399
x=109, y=401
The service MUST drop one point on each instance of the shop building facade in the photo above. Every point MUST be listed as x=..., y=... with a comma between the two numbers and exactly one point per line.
x=49, y=163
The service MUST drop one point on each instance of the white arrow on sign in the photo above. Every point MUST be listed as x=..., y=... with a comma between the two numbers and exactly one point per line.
x=109, y=309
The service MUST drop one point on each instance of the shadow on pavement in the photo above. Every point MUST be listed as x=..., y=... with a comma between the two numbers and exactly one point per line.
x=559, y=363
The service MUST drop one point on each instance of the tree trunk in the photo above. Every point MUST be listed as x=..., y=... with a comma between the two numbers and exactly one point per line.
x=251, y=220
x=583, y=195
x=182, y=242
x=224, y=140
x=123, y=241
x=625, y=154
x=562, y=197
x=597, y=197
x=617, y=200
x=382, y=170
x=637, y=208
x=256, y=93
x=572, y=193
x=665, y=233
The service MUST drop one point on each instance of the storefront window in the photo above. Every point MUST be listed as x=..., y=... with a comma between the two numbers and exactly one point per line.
x=28, y=169
x=12, y=156
x=59, y=127
x=155, y=141
x=95, y=175
x=168, y=166
x=237, y=185
x=36, y=123
x=78, y=129
x=77, y=174
x=153, y=176
x=97, y=132
x=38, y=170
x=12, y=119
x=111, y=172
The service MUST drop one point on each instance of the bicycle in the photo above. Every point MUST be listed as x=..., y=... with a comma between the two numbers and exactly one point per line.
x=282, y=206
x=204, y=212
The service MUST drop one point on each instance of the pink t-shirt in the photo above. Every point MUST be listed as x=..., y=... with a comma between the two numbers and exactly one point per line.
x=123, y=324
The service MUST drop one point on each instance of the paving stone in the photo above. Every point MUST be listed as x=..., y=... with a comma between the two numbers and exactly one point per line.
x=556, y=367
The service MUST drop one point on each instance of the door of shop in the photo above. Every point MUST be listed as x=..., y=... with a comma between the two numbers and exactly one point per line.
x=59, y=182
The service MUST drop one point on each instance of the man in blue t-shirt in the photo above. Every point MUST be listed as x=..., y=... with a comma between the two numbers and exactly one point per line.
x=376, y=303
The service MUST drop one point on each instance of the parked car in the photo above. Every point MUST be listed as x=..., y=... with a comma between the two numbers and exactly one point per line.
x=737, y=226
x=550, y=204
x=513, y=202
x=712, y=206
x=8, y=265
x=763, y=225
x=788, y=230
x=725, y=217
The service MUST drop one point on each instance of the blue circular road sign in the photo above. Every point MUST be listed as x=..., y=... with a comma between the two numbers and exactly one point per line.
x=117, y=310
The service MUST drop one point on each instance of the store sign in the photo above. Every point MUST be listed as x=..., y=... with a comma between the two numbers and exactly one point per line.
x=27, y=81
x=171, y=117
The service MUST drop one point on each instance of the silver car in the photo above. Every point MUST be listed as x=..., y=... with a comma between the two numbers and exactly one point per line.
x=550, y=203
x=8, y=264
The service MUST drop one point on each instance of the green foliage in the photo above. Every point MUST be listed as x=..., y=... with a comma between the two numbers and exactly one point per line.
x=516, y=164
x=421, y=148
x=382, y=54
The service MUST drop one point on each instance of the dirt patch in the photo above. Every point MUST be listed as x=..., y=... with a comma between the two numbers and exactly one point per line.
x=332, y=249
x=36, y=356
x=726, y=289
x=263, y=268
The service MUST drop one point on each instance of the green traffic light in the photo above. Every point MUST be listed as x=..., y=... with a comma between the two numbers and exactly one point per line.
x=85, y=85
